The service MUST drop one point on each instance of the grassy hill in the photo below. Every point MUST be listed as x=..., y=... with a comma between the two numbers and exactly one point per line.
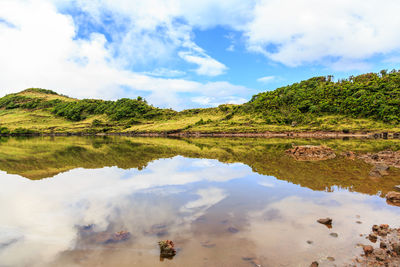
x=368, y=102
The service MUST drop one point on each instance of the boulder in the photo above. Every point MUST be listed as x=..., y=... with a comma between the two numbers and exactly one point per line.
x=393, y=197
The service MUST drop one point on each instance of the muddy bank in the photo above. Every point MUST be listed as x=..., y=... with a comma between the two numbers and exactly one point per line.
x=178, y=133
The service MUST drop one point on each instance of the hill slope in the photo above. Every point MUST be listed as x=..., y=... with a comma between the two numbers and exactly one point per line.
x=368, y=102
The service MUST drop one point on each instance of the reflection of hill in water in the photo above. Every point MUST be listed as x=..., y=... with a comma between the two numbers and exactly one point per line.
x=38, y=158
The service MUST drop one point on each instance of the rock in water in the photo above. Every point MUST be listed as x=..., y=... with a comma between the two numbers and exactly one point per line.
x=393, y=197
x=379, y=170
x=334, y=234
x=326, y=221
x=368, y=249
x=167, y=249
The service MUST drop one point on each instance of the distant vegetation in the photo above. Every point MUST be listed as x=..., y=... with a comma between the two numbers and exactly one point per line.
x=117, y=110
x=366, y=102
x=80, y=109
x=373, y=95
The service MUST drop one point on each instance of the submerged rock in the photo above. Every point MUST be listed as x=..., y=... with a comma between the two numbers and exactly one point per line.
x=330, y=258
x=311, y=153
x=118, y=237
x=233, y=230
x=334, y=234
x=167, y=249
x=383, y=158
x=379, y=170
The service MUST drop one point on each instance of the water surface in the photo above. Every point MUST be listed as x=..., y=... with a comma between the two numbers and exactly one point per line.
x=224, y=202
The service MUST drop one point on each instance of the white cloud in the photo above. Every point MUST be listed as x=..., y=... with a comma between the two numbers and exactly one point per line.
x=164, y=72
x=230, y=48
x=43, y=215
x=207, y=65
x=309, y=31
x=266, y=79
x=41, y=51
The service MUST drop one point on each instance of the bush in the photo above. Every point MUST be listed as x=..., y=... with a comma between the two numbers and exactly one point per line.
x=96, y=123
x=23, y=131
x=4, y=130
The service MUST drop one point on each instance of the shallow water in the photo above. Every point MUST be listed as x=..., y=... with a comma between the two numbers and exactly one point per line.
x=237, y=202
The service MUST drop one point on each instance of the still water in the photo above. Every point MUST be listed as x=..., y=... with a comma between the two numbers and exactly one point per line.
x=224, y=202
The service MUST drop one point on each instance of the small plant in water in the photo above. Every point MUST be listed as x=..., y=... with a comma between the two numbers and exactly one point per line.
x=167, y=249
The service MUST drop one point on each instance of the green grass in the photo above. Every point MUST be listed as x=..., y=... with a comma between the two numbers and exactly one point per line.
x=225, y=118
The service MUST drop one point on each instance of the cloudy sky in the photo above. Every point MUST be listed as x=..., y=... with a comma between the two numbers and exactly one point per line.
x=190, y=53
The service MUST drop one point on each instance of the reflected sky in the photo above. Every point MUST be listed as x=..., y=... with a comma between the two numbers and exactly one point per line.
x=216, y=213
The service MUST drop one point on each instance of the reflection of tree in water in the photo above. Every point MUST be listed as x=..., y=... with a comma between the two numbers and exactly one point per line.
x=37, y=158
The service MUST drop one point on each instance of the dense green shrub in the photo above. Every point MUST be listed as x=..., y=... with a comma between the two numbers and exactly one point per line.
x=371, y=95
x=4, y=130
x=22, y=131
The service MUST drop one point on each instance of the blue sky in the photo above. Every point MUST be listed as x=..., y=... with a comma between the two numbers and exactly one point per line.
x=188, y=54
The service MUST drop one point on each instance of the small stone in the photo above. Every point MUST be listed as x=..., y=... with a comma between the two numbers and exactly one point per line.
x=334, y=234
x=383, y=245
x=380, y=254
x=314, y=264
x=384, y=226
x=396, y=248
x=331, y=258
x=373, y=237
x=309, y=242
x=368, y=249
x=383, y=232
x=375, y=228
x=359, y=222
x=326, y=221
x=207, y=244
x=233, y=230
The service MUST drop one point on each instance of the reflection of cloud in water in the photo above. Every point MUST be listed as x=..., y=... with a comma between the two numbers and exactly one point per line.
x=208, y=198
x=43, y=214
x=281, y=229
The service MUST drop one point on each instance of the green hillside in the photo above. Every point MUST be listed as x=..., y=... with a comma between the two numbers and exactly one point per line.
x=368, y=102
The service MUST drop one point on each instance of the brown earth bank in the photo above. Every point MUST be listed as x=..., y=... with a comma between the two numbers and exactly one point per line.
x=314, y=134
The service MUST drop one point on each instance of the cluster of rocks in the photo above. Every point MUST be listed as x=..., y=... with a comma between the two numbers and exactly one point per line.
x=388, y=252
x=311, y=153
x=388, y=158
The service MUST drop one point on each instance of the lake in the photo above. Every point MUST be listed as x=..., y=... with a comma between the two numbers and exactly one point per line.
x=223, y=201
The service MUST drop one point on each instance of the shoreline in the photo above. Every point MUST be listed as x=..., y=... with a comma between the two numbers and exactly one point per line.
x=314, y=134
